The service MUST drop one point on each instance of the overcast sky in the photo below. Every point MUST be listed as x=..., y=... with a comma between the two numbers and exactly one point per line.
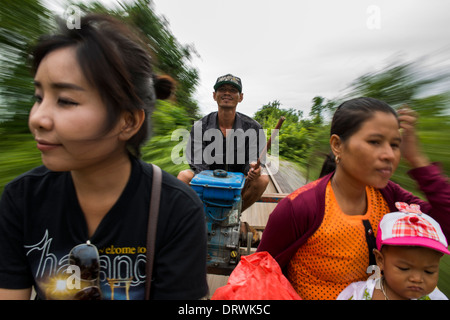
x=293, y=50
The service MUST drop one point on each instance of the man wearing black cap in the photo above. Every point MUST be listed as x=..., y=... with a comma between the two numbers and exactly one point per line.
x=210, y=149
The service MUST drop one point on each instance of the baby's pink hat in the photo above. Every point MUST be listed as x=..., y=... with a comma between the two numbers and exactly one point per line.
x=411, y=227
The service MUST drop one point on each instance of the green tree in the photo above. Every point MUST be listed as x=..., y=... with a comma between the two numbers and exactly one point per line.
x=21, y=24
x=317, y=109
x=166, y=119
x=297, y=136
x=170, y=57
x=397, y=83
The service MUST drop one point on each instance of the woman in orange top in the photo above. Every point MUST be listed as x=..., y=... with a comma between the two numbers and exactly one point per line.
x=322, y=234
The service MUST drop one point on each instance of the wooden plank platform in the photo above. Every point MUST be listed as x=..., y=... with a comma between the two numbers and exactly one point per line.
x=215, y=281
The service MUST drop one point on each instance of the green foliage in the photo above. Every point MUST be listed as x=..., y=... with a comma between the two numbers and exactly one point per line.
x=166, y=119
x=396, y=84
x=172, y=58
x=299, y=138
x=18, y=154
x=21, y=24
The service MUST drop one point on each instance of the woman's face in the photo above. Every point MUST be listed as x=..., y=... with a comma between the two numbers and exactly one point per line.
x=371, y=155
x=68, y=119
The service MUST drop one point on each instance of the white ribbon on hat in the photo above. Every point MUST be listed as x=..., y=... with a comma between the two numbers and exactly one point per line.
x=408, y=208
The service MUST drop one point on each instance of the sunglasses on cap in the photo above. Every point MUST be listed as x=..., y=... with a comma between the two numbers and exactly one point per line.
x=86, y=257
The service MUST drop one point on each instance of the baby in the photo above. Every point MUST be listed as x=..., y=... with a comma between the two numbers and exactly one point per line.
x=410, y=245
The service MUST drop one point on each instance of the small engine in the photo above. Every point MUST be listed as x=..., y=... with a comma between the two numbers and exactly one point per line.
x=220, y=192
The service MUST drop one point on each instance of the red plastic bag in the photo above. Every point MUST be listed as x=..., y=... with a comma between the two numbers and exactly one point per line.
x=256, y=277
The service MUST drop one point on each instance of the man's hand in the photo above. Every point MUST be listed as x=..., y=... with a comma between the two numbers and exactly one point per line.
x=254, y=172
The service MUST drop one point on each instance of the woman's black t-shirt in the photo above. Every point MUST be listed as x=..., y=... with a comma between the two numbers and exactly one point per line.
x=41, y=221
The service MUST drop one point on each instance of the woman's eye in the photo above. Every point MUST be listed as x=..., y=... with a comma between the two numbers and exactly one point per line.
x=63, y=102
x=67, y=102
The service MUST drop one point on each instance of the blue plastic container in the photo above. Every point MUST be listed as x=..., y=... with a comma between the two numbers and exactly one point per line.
x=218, y=185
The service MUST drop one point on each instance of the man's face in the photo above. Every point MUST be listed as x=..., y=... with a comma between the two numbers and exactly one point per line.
x=227, y=96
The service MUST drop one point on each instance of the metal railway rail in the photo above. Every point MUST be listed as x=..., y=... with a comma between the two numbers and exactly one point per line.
x=257, y=214
x=277, y=195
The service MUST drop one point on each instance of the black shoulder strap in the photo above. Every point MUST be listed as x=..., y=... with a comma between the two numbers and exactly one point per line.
x=371, y=241
x=151, y=229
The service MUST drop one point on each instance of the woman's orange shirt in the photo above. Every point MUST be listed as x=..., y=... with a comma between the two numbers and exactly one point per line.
x=337, y=253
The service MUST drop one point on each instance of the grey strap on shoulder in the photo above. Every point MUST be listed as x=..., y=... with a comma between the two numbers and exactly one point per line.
x=151, y=229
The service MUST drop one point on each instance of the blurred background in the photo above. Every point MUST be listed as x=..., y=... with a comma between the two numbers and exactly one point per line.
x=421, y=83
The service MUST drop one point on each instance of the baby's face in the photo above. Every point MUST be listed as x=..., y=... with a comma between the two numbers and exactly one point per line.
x=410, y=272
